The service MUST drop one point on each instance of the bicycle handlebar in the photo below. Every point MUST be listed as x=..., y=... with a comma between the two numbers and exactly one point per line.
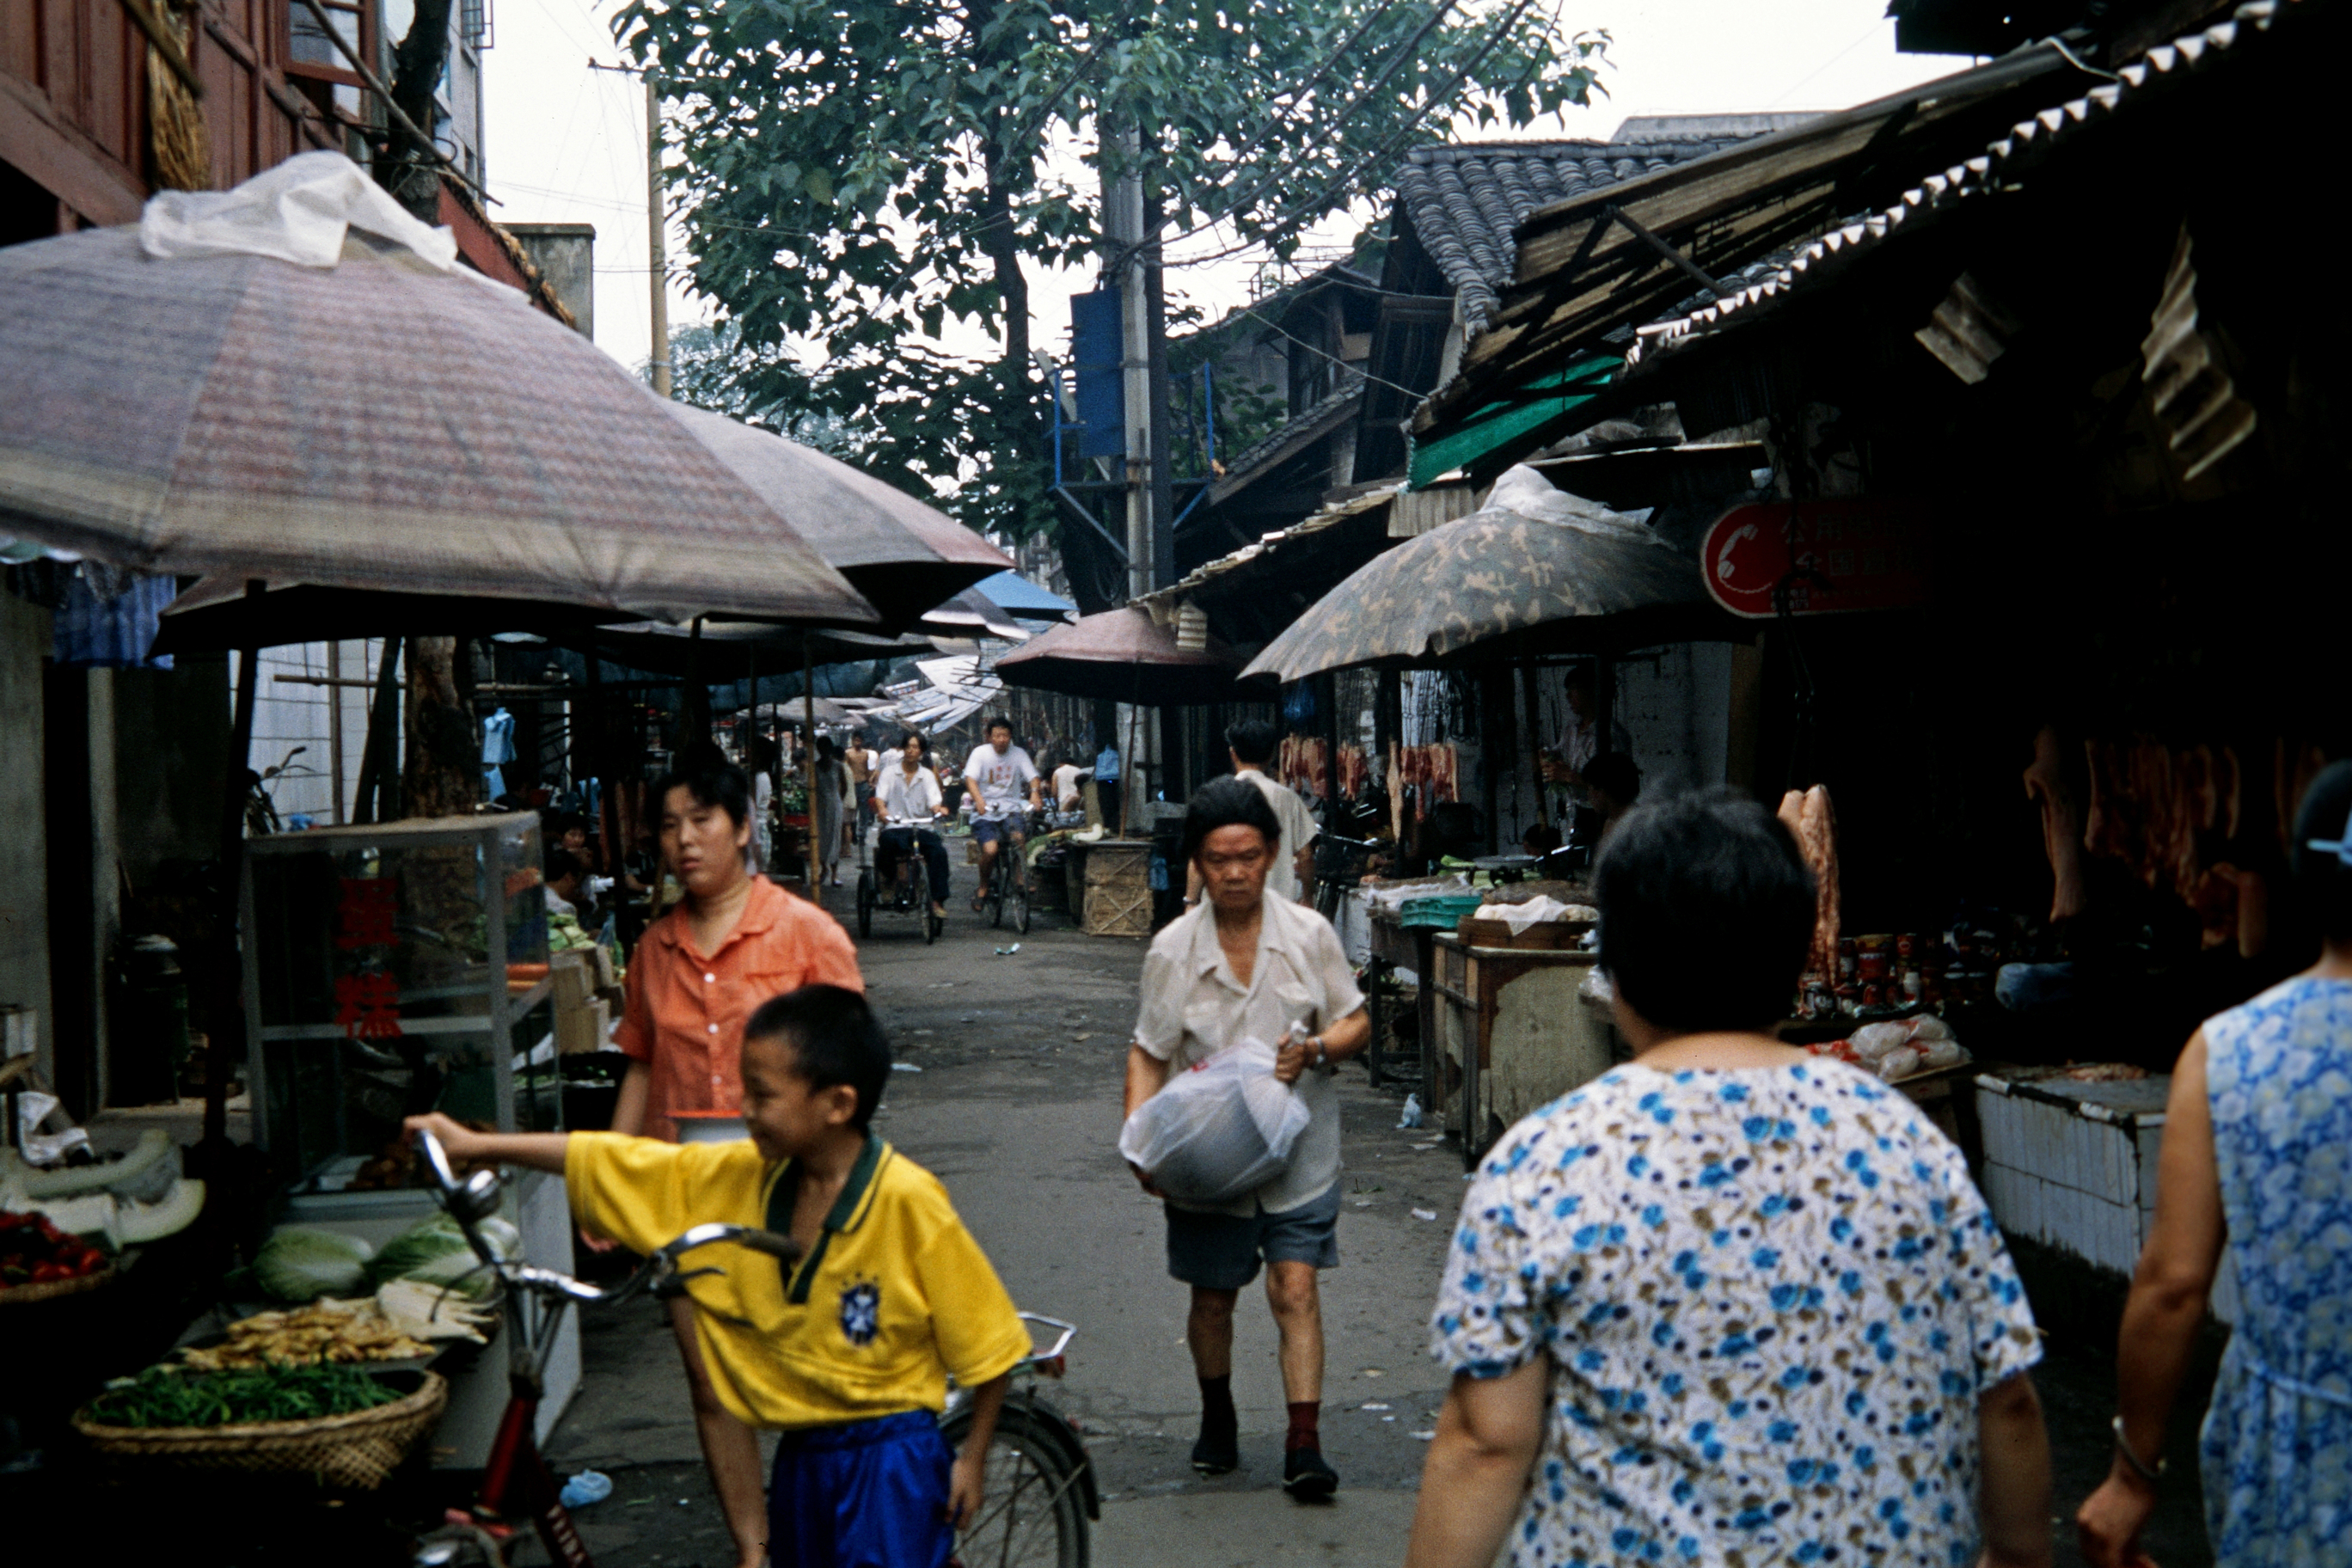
x=477, y=1198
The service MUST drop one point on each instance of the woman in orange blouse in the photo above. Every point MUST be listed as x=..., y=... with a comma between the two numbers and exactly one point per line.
x=696, y=975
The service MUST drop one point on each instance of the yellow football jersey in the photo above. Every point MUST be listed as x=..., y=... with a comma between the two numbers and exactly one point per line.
x=894, y=1299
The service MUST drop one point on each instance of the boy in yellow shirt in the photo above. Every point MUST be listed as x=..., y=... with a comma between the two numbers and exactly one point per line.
x=847, y=1352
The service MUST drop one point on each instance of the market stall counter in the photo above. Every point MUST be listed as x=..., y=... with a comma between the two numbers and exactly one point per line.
x=396, y=969
x=1513, y=1013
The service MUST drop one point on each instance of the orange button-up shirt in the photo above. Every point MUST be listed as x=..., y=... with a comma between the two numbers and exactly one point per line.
x=683, y=1011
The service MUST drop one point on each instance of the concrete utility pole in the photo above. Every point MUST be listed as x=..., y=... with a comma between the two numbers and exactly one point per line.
x=653, y=249
x=1123, y=226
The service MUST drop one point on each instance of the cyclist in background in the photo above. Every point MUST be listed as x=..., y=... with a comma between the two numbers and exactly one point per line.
x=999, y=774
x=906, y=792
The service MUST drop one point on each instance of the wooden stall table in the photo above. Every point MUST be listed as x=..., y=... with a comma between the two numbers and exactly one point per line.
x=1510, y=1034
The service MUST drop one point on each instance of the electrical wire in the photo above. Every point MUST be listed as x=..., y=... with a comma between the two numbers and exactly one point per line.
x=1321, y=202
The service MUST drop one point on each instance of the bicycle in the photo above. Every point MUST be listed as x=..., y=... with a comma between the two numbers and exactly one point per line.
x=910, y=892
x=1039, y=1472
x=1339, y=867
x=1008, y=881
x=260, y=808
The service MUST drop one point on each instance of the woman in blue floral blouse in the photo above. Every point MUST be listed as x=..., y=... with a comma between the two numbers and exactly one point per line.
x=1730, y=1304
x=2257, y=1163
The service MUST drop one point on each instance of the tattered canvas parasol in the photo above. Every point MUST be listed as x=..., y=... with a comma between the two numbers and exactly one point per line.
x=1123, y=656
x=1533, y=562
x=296, y=381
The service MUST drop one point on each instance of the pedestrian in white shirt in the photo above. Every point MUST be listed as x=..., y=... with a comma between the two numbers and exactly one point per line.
x=1250, y=743
x=1241, y=964
x=1000, y=774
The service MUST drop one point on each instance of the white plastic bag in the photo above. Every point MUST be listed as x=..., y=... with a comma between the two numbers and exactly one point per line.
x=1221, y=1128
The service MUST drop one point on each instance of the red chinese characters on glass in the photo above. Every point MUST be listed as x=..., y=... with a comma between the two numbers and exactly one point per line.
x=367, y=1006
x=364, y=911
x=367, y=1003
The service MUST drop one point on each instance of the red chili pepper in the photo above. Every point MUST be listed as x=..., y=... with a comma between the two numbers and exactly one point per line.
x=48, y=1273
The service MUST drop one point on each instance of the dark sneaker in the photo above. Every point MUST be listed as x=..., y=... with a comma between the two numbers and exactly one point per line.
x=1217, y=1454
x=1306, y=1475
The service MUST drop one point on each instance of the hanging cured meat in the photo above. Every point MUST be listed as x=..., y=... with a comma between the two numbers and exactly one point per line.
x=2045, y=783
x=1813, y=824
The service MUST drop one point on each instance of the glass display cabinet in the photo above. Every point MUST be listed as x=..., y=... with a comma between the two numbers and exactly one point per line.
x=391, y=970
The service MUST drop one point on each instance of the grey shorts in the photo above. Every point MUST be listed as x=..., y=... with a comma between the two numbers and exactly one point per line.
x=1222, y=1251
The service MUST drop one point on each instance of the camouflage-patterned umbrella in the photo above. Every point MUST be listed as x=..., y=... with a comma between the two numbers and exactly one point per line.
x=1532, y=557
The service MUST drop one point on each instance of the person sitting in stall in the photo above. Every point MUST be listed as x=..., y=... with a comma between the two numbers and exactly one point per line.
x=1068, y=797
x=565, y=883
x=906, y=793
x=1612, y=783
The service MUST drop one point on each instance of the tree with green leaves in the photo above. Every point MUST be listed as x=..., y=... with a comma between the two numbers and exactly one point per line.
x=857, y=173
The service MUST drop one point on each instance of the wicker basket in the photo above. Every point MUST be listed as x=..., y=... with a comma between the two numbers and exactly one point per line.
x=357, y=1451
x=1118, y=889
x=50, y=1291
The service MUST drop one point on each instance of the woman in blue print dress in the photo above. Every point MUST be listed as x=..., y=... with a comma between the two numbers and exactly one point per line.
x=2257, y=1154
x=1728, y=1306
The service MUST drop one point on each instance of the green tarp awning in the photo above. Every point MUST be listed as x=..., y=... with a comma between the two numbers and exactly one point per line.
x=1518, y=423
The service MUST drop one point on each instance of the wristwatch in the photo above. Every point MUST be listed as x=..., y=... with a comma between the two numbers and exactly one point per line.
x=2151, y=1474
x=1322, y=1055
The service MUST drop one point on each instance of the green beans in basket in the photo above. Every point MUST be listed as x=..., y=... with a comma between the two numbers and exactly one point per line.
x=168, y=1396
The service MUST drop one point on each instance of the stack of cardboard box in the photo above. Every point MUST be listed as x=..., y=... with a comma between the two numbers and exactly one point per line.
x=587, y=999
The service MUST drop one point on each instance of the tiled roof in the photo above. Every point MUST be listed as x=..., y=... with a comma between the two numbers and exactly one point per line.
x=1465, y=200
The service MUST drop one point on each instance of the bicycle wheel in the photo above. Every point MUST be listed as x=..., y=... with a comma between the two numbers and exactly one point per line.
x=1032, y=1513
x=997, y=891
x=1020, y=902
x=865, y=905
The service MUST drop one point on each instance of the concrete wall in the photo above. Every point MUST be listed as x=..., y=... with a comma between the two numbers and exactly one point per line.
x=24, y=850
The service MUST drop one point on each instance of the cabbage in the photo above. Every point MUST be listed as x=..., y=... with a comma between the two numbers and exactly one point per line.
x=437, y=1253
x=297, y=1265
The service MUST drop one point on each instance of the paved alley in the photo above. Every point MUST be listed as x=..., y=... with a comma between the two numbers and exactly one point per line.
x=1016, y=1108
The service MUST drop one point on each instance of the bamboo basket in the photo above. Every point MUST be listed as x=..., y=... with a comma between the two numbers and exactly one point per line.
x=358, y=1451
x=1118, y=900
x=50, y=1291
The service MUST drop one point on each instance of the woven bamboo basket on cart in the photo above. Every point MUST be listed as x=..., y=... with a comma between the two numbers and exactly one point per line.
x=50, y=1291
x=358, y=1451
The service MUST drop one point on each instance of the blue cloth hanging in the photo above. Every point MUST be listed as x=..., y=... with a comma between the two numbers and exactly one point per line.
x=108, y=620
x=497, y=747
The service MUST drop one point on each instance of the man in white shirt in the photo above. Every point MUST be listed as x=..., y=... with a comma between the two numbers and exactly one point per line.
x=999, y=774
x=906, y=793
x=1066, y=779
x=1243, y=965
x=1250, y=743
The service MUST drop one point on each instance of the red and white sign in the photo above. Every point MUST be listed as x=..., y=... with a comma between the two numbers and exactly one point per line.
x=1834, y=555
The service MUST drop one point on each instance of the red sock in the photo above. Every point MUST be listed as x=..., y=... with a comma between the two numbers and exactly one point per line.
x=1304, y=1416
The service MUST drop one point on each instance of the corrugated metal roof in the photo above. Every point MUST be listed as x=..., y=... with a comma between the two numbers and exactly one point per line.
x=2002, y=163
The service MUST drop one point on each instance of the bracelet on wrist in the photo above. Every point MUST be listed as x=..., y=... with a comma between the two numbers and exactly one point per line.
x=2122, y=1447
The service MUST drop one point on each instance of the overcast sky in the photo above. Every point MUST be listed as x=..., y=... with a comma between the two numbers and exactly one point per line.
x=566, y=142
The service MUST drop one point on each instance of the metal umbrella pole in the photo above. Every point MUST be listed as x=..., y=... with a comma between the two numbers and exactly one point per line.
x=808, y=764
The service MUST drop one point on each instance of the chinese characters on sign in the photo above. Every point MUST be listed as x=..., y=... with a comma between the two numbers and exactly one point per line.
x=367, y=1002
x=1830, y=555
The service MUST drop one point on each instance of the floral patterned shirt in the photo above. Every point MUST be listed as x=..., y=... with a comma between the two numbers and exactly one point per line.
x=1770, y=1297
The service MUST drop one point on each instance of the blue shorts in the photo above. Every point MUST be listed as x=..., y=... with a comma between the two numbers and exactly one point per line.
x=989, y=829
x=1222, y=1251
x=870, y=1494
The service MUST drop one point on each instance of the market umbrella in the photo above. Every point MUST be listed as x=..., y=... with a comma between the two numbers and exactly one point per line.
x=1534, y=569
x=297, y=382
x=1124, y=656
x=903, y=555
